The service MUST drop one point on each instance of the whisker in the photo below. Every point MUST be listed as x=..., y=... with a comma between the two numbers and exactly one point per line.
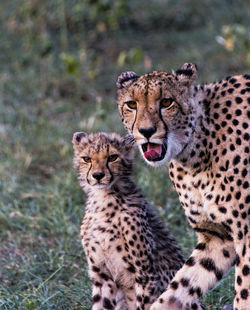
x=112, y=183
x=164, y=145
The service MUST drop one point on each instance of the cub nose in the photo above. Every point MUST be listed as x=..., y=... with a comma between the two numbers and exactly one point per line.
x=98, y=175
x=147, y=132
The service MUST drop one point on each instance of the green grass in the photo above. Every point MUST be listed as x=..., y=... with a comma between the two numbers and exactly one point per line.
x=45, y=98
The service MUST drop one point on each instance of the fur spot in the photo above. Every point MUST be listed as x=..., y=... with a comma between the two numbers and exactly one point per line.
x=208, y=264
x=107, y=304
x=95, y=269
x=225, y=253
x=190, y=261
x=244, y=294
x=201, y=246
x=223, y=210
x=191, y=291
x=184, y=282
x=96, y=298
x=174, y=285
x=104, y=276
x=245, y=270
x=239, y=280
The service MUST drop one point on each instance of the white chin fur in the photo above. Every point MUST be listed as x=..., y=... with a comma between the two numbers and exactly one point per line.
x=174, y=147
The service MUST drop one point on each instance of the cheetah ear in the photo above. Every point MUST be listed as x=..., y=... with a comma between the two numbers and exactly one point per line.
x=187, y=74
x=125, y=79
x=77, y=137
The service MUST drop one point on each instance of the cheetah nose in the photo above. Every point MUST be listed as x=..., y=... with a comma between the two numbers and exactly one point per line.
x=98, y=175
x=147, y=132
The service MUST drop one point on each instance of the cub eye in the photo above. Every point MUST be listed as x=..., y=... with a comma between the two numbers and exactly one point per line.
x=166, y=102
x=112, y=157
x=86, y=159
x=131, y=104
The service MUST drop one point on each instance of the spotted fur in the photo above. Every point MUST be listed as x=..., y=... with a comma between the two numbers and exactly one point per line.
x=131, y=255
x=204, y=131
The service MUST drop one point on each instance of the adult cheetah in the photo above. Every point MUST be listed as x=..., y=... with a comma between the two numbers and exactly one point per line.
x=204, y=131
x=131, y=255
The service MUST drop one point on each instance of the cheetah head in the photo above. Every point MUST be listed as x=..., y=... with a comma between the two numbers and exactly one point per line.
x=102, y=159
x=157, y=110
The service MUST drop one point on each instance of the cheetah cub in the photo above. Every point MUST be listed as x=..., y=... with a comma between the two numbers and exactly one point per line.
x=131, y=255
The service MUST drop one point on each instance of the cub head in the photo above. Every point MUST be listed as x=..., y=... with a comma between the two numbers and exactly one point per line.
x=156, y=109
x=101, y=159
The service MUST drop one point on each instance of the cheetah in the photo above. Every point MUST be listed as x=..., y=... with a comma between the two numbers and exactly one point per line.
x=203, y=131
x=131, y=255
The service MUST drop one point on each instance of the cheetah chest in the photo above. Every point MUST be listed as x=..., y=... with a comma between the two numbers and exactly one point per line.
x=103, y=237
x=200, y=196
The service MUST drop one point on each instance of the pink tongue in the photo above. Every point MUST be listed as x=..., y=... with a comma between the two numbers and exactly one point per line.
x=153, y=151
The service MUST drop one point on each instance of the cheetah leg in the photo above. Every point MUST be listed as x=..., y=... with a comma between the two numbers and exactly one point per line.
x=210, y=260
x=121, y=303
x=144, y=298
x=104, y=289
x=242, y=278
x=130, y=298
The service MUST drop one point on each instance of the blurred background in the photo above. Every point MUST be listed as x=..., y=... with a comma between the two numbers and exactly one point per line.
x=59, y=62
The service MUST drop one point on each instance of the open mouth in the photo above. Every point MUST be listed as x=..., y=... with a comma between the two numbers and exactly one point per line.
x=153, y=151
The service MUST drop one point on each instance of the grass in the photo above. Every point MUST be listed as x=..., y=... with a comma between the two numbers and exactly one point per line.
x=45, y=99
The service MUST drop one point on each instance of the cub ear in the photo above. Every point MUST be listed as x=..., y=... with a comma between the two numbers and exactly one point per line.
x=77, y=137
x=187, y=74
x=125, y=79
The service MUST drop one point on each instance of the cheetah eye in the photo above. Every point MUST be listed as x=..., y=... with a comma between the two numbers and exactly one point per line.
x=112, y=157
x=131, y=104
x=86, y=159
x=166, y=103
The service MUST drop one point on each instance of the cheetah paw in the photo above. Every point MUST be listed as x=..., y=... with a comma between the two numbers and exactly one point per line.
x=173, y=303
